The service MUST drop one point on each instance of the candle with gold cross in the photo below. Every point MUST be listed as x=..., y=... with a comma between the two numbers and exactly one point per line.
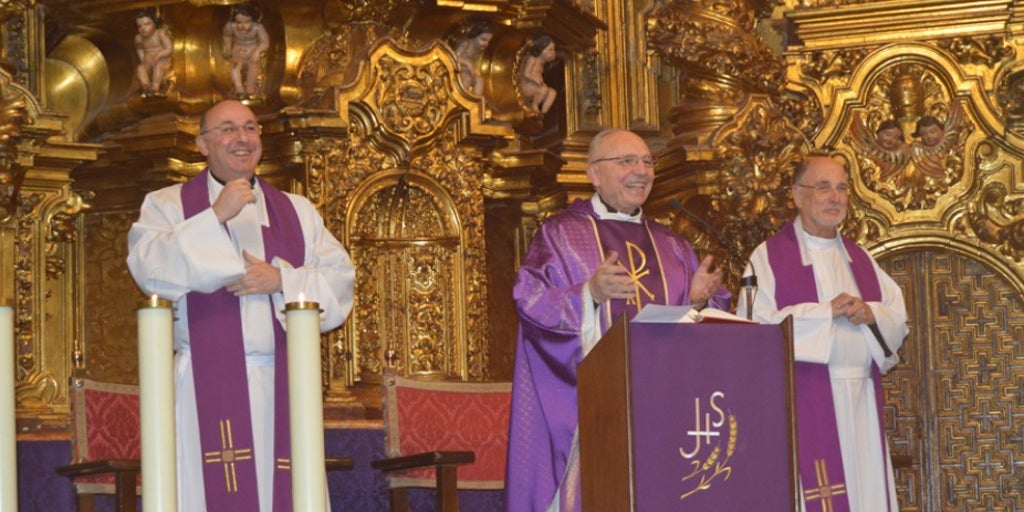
x=305, y=399
x=8, y=444
x=156, y=405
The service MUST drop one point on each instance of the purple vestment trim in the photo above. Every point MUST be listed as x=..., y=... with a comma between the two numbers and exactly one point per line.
x=643, y=263
x=219, y=369
x=819, y=434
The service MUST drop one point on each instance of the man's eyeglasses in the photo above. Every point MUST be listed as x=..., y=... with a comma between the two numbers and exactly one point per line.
x=628, y=160
x=824, y=188
x=230, y=129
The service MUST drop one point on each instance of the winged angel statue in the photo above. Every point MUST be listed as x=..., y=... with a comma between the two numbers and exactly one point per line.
x=911, y=175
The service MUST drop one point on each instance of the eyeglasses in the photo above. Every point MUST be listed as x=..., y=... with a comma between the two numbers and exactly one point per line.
x=824, y=188
x=628, y=160
x=230, y=129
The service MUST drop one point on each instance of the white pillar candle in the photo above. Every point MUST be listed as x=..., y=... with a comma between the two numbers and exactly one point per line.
x=156, y=404
x=309, y=477
x=8, y=444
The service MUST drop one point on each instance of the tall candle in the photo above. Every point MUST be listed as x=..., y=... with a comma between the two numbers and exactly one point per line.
x=156, y=404
x=8, y=444
x=309, y=477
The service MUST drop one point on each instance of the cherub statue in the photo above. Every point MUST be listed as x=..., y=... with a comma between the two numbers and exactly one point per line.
x=937, y=140
x=886, y=147
x=153, y=46
x=537, y=95
x=245, y=41
x=468, y=50
x=914, y=175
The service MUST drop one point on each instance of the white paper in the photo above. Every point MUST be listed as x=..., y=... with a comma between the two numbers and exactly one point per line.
x=661, y=314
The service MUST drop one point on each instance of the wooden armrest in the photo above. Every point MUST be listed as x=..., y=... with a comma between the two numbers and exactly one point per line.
x=125, y=473
x=100, y=467
x=339, y=463
x=426, y=459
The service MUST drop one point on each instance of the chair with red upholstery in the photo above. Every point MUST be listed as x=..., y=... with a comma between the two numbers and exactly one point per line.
x=433, y=427
x=105, y=443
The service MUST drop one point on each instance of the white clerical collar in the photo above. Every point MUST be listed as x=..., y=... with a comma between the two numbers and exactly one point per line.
x=604, y=214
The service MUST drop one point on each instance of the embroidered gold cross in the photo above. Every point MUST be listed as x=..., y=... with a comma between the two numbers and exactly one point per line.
x=228, y=455
x=636, y=271
x=824, y=492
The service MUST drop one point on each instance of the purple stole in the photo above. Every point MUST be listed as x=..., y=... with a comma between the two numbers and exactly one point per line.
x=639, y=256
x=219, y=369
x=821, y=461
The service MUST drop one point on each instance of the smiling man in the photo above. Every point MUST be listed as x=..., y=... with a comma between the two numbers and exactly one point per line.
x=585, y=266
x=849, y=320
x=230, y=251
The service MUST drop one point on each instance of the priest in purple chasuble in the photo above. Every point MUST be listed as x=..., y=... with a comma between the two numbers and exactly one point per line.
x=585, y=267
x=229, y=250
x=849, y=322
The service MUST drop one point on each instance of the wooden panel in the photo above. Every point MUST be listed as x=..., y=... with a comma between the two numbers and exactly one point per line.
x=954, y=405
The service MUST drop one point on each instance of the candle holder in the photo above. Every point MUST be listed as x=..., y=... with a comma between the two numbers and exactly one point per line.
x=301, y=304
x=154, y=302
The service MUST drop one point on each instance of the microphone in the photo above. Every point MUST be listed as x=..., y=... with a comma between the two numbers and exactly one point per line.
x=749, y=283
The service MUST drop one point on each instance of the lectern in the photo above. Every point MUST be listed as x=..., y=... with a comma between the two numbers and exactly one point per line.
x=689, y=416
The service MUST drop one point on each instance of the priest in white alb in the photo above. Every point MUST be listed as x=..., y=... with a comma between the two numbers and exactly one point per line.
x=230, y=251
x=849, y=322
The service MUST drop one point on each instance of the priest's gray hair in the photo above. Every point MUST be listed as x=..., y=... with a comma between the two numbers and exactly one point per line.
x=801, y=167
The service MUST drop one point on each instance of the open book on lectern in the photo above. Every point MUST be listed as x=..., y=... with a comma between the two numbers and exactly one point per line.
x=661, y=314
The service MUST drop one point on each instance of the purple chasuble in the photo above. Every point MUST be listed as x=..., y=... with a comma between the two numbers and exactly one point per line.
x=821, y=461
x=637, y=254
x=564, y=253
x=219, y=369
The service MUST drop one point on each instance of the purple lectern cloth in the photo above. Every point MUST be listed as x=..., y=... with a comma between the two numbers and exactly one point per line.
x=563, y=255
x=819, y=435
x=218, y=358
x=675, y=365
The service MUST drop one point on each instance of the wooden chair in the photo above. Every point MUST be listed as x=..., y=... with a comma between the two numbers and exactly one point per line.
x=433, y=427
x=105, y=443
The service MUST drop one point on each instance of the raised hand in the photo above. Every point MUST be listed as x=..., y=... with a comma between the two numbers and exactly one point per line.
x=611, y=281
x=232, y=198
x=705, y=281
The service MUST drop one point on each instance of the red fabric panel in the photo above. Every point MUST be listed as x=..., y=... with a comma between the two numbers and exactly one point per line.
x=106, y=420
x=458, y=418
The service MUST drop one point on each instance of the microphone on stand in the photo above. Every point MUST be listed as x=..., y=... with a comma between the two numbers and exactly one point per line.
x=749, y=283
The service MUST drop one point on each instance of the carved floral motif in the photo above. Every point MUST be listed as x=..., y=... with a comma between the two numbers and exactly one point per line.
x=713, y=43
x=12, y=8
x=13, y=115
x=756, y=156
x=412, y=99
x=987, y=51
x=997, y=219
x=832, y=66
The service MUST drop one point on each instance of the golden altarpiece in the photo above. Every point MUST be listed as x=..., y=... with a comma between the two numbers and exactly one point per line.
x=435, y=186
